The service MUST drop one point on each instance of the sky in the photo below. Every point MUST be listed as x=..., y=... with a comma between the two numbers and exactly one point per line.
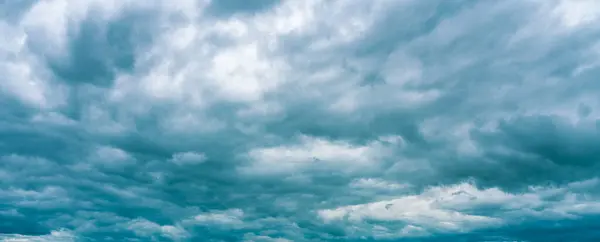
x=299, y=120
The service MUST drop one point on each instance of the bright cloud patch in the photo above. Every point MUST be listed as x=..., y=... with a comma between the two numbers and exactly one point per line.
x=463, y=207
x=316, y=152
x=61, y=235
x=188, y=158
x=284, y=120
x=228, y=217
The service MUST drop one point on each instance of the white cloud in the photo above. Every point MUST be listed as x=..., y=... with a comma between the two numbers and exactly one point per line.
x=233, y=217
x=577, y=13
x=198, y=62
x=187, y=66
x=53, y=118
x=413, y=231
x=45, y=198
x=43, y=33
x=395, y=90
x=111, y=154
x=189, y=122
x=49, y=20
x=147, y=228
x=316, y=152
x=199, y=75
x=413, y=210
x=106, y=157
x=11, y=213
x=451, y=208
x=54, y=236
x=377, y=184
x=24, y=77
x=263, y=238
x=53, y=21
x=98, y=120
x=188, y=158
x=243, y=74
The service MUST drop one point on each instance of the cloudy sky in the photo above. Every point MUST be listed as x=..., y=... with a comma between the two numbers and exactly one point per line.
x=299, y=120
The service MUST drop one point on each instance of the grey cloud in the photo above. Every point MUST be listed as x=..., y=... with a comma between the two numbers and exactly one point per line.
x=219, y=121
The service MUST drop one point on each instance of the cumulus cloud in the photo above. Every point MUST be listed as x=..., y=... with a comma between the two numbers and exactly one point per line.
x=150, y=229
x=188, y=158
x=376, y=184
x=25, y=78
x=311, y=152
x=59, y=235
x=464, y=207
x=262, y=238
x=282, y=120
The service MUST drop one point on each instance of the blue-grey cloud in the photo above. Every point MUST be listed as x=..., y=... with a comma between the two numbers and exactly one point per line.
x=206, y=120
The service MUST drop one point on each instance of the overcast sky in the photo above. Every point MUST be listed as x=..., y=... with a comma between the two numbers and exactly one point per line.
x=300, y=120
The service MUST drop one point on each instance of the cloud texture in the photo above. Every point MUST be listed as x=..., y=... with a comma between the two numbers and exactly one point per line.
x=316, y=120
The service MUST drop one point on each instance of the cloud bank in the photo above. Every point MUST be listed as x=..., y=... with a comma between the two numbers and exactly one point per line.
x=275, y=120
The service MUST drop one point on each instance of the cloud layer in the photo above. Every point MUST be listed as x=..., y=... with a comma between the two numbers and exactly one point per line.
x=269, y=120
